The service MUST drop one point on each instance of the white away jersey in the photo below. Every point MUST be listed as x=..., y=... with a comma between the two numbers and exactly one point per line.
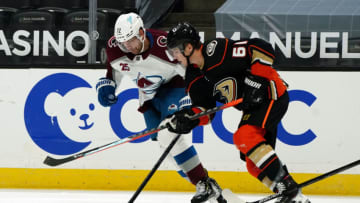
x=149, y=70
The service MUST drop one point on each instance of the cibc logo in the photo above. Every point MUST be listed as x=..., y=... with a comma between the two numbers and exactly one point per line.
x=62, y=116
x=283, y=135
x=303, y=138
x=217, y=124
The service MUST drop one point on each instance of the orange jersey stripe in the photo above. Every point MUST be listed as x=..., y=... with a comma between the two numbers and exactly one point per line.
x=262, y=50
x=192, y=82
x=267, y=113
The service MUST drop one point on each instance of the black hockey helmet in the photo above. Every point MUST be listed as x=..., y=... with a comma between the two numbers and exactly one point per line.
x=182, y=33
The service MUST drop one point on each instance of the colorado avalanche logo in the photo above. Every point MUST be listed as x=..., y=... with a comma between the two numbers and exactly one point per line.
x=161, y=41
x=148, y=84
x=112, y=42
x=143, y=82
x=173, y=107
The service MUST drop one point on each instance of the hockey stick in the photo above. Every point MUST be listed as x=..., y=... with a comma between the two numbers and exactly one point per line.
x=50, y=161
x=172, y=144
x=55, y=162
x=154, y=169
x=311, y=181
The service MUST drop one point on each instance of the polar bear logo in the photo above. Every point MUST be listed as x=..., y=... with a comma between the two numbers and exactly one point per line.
x=74, y=112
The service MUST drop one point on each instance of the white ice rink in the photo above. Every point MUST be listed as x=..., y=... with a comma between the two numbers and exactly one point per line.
x=66, y=196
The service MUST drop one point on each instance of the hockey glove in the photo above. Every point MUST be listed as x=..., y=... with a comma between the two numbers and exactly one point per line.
x=106, y=92
x=181, y=123
x=255, y=91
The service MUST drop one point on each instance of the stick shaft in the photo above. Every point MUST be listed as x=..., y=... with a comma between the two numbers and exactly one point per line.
x=154, y=169
x=50, y=161
x=328, y=174
x=313, y=180
x=172, y=144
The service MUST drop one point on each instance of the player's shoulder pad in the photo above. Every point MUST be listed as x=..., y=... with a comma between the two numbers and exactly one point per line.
x=113, y=50
x=159, y=37
x=262, y=46
x=214, y=50
x=156, y=32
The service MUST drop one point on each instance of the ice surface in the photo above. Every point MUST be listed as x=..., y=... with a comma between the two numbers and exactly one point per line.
x=76, y=196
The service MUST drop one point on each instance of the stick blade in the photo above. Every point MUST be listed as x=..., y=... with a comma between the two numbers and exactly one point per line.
x=50, y=161
x=231, y=197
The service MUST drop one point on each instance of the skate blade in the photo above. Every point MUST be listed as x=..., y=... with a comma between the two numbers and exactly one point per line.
x=231, y=197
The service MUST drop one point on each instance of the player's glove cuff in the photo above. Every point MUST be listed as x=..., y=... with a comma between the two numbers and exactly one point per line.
x=106, y=92
x=181, y=123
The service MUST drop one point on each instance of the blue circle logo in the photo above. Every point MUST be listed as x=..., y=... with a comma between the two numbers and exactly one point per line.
x=115, y=118
x=297, y=139
x=42, y=121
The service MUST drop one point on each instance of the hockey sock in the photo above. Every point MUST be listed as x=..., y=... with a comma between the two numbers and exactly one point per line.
x=196, y=174
x=188, y=160
x=264, y=164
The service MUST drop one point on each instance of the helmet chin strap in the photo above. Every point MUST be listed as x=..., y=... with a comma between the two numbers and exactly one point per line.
x=188, y=60
x=142, y=45
x=142, y=42
x=188, y=57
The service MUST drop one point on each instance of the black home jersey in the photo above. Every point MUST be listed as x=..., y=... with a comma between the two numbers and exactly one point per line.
x=226, y=63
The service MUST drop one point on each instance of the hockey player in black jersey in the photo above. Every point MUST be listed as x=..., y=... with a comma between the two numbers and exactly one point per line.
x=141, y=55
x=224, y=70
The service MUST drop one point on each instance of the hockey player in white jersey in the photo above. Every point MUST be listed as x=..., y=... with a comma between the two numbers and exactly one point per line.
x=142, y=55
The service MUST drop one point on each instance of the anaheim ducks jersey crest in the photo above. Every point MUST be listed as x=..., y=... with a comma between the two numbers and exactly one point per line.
x=226, y=63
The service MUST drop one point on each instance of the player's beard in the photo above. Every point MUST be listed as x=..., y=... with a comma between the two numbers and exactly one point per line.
x=140, y=46
x=137, y=49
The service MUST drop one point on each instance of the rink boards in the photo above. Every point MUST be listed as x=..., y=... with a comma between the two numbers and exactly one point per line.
x=55, y=112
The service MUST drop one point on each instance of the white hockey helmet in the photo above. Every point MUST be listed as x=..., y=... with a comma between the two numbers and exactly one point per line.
x=127, y=26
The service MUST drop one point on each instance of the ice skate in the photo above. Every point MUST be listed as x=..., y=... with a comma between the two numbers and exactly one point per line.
x=208, y=189
x=292, y=194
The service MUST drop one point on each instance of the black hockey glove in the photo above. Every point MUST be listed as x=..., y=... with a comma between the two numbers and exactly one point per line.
x=181, y=123
x=255, y=91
